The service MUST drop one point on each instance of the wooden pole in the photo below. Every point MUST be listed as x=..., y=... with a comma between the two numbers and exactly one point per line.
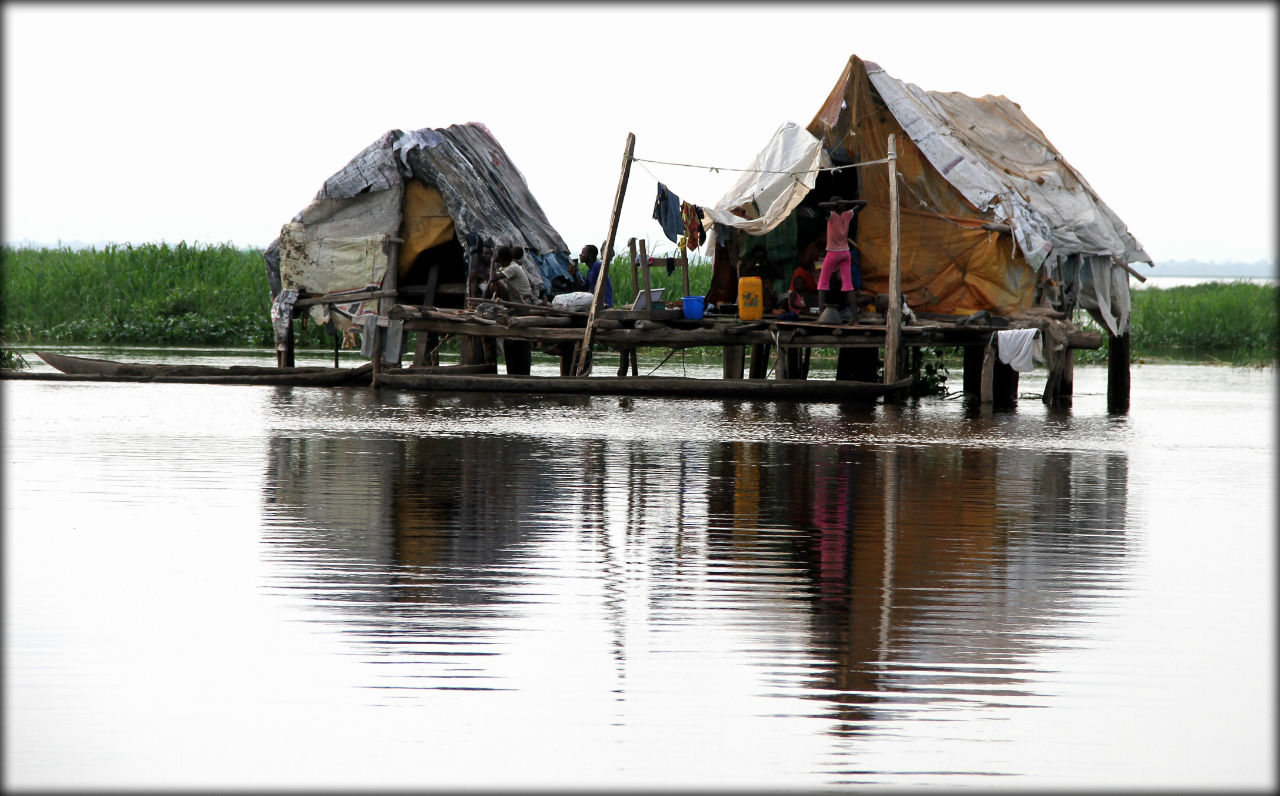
x=285, y=357
x=391, y=279
x=644, y=269
x=1118, y=373
x=986, y=389
x=893, y=317
x=684, y=269
x=635, y=266
x=606, y=255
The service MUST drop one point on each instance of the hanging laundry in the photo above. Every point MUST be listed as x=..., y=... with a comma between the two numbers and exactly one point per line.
x=1016, y=347
x=666, y=209
x=692, y=217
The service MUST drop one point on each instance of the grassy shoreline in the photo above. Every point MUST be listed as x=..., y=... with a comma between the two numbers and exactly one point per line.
x=217, y=295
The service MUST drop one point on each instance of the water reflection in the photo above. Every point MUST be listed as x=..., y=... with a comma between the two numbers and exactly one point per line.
x=864, y=574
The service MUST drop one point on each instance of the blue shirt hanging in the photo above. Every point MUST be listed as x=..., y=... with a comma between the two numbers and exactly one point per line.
x=666, y=209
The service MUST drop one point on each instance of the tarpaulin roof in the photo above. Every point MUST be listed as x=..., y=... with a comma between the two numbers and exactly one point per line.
x=961, y=161
x=965, y=161
x=337, y=242
x=1002, y=163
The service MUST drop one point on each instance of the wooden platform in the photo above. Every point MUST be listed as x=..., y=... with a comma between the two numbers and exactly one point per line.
x=664, y=387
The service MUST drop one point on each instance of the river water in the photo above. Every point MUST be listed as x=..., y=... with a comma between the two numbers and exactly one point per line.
x=254, y=587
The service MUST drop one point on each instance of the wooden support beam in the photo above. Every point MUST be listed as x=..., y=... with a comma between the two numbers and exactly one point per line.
x=986, y=387
x=519, y=356
x=1118, y=373
x=644, y=269
x=1004, y=385
x=973, y=362
x=893, y=316
x=1057, y=386
x=568, y=352
x=760, y=360
x=392, y=277
x=343, y=298
x=635, y=269
x=733, y=356
x=1126, y=267
x=427, y=343
x=857, y=364
x=378, y=339
x=584, y=353
x=684, y=270
x=285, y=358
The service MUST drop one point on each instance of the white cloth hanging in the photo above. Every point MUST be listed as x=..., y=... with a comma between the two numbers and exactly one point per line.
x=1015, y=347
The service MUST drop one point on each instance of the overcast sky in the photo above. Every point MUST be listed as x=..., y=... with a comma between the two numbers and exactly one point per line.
x=217, y=123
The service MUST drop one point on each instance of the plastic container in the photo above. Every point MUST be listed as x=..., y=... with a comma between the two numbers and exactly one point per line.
x=750, y=298
x=693, y=307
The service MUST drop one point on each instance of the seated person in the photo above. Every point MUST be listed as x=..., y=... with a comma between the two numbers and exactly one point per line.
x=509, y=278
x=480, y=271
x=803, y=290
x=588, y=257
x=531, y=271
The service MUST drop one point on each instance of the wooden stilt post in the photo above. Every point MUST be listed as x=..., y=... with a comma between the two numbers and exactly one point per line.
x=568, y=353
x=732, y=366
x=1067, y=384
x=390, y=283
x=684, y=269
x=857, y=363
x=635, y=268
x=893, y=317
x=606, y=255
x=759, y=360
x=987, y=388
x=1118, y=373
x=1004, y=385
x=378, y=337
x=973, y=362
x=285, y=358
x=644, y=270
x=424, y=350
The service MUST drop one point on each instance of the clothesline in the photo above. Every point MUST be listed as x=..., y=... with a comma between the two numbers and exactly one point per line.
x=763, y=171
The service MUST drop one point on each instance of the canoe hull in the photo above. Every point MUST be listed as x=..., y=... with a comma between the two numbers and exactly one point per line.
x=108, y=370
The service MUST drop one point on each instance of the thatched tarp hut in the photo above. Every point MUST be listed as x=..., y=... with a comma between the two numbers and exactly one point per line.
x=419, y=199
x=963, y=163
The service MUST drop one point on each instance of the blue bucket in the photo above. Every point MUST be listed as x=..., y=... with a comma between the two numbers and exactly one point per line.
x=693, y=306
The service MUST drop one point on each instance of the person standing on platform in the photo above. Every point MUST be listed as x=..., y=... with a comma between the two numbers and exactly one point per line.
x=840, y=215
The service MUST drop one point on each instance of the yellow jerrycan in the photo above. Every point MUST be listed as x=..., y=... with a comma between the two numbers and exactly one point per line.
x=750, y=298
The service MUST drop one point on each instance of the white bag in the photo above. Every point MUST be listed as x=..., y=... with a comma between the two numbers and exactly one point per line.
x=574, y=302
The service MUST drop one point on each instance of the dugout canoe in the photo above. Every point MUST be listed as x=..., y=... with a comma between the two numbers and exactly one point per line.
x=653, y=386
x=88, y=369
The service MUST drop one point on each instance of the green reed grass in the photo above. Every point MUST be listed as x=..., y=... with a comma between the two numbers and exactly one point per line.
x=146, y=294
x=1221, y=317
x=1227, y=322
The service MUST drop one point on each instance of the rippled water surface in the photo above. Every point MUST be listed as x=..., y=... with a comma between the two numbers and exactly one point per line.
x=235, y=586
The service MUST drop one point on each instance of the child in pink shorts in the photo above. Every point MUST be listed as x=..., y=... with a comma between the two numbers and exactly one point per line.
x=840, y=216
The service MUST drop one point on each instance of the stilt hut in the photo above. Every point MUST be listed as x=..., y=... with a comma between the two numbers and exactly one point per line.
x=397, y=225
x=992, y=216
